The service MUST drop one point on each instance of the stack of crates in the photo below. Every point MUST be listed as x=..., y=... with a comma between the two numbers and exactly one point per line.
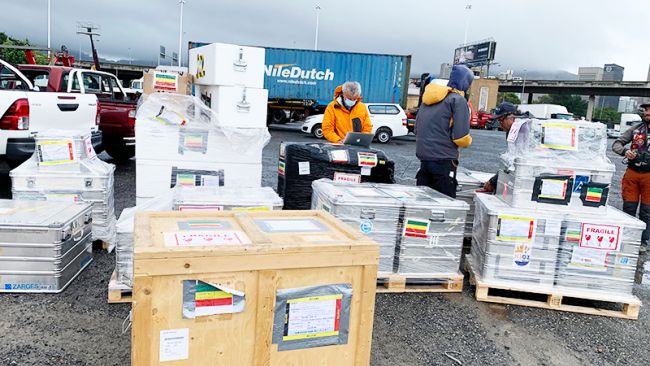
x=213, y=139
x=419, y=231
x=549, y=225
x=64, y=167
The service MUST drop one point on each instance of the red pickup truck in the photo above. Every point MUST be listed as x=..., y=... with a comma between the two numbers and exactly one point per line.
x=116, y=108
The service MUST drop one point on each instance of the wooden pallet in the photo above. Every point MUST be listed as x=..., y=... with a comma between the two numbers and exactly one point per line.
x=398, y=283
x=553, y=299
x=117, y=295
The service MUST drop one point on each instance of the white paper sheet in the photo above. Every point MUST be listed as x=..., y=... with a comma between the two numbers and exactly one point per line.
x=553, y=188
x=174, y=344
x=339, y=156
x=560, y=136
x=516, y=228
x=291, y=225
x=589, y=259
x=303, y=168
x=312, y=317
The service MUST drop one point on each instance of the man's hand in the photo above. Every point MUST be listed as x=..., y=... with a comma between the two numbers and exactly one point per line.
x=630, y=154
x=488, y=187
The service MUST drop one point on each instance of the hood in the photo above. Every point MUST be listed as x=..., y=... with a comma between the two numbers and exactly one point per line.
x=461, y=78
x=434, y=93
x=338, y=91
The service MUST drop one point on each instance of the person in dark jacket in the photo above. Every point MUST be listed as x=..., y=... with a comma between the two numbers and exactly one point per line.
x=635, y=186
x=505, y=114
x=441, y=128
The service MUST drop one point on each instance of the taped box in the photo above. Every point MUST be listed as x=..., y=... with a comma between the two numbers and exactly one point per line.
x=249, y=288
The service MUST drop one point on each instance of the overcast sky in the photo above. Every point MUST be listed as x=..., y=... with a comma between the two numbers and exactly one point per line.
x=530, y=34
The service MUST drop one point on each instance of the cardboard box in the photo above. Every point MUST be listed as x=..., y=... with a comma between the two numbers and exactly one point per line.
x=156, y=81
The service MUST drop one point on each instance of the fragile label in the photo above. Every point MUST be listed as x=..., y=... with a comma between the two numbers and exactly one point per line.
x=553, y=189
x=589, y=259
x=90, y=151
x=603, y=237
x=339, y=156
x=521, y=255
x=313, y=317
x=174, y=344
x=165, y=81
x=367, y=159
x=303, y=168
x=205, y=238
x=416, y=228
x=346, y=178
x=559, y=136
x=512, y=228
x=56, y=152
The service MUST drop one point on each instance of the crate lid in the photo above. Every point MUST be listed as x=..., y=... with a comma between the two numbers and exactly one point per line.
x=227, y=196
x=19, y=213
x=160, y=235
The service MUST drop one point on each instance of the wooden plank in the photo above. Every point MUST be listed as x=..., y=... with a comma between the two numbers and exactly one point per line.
x=267, y=285
x=364, y=338
x=554, y=300
x=396, y=283
x=117, y=295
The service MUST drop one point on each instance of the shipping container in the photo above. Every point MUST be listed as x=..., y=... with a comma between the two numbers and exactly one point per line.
x=302, y=82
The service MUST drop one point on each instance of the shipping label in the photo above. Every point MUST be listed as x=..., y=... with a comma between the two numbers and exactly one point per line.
x=514, y=228
x=56, y=152
x=559, y=136
x=589, y=259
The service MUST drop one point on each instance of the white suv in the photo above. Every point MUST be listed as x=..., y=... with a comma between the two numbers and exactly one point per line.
x=388, y=120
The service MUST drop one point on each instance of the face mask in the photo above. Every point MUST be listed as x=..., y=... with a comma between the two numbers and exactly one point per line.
x=349, y=103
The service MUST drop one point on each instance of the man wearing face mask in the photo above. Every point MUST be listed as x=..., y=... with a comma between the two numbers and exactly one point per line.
x=346, y=113
x=441, y=128
x=505, y=114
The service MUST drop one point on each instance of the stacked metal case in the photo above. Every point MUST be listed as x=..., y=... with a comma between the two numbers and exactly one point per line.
x=419, y=231
x=300, y=164
x=469, y=181
x=65, y=168
x=549, y=225
x=187, y=199
x=180, y=141
x=43, y=245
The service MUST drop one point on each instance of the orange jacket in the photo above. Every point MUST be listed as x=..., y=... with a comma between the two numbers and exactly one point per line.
x=337, y=121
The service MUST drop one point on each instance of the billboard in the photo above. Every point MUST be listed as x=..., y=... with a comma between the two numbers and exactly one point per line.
x=475, y=54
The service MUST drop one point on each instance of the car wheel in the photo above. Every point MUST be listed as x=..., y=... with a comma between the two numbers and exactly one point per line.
x=317, y=131
x=383, y=135
x=278, y=116
x=120, y=152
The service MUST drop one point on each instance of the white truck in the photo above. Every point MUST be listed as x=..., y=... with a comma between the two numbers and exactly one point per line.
x=25, y=110
x=629, y=119
x=546, y=111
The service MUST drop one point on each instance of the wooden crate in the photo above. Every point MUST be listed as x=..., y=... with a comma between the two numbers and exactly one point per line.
x=553, y=299
x=396, y=283
x=116, y=293
x=273, y=261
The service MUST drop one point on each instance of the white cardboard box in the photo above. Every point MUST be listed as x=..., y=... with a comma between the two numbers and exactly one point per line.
x=227, y=64
x=236, y=106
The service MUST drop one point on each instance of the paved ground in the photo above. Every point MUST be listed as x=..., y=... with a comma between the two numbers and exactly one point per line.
x=78, y=327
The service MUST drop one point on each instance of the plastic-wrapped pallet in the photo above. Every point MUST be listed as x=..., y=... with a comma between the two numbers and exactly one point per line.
x=44, y=245
x=555, y=140
x=65, y=167
x=599, y=252
x=468, y=182
x=300, y=164
x=183, y=198
x=419, y=231
x=180, y=141
x=514, y=245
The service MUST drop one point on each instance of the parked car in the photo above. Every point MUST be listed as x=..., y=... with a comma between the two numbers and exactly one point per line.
x=613, y=134
x=388, y=121
x=116, y=107
x=25, y=110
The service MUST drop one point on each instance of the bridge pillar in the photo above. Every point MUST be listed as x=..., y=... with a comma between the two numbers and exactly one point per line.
x=530, y=98
x=590, y=107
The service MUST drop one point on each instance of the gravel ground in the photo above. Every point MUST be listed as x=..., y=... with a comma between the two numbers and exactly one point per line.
x=78, y=327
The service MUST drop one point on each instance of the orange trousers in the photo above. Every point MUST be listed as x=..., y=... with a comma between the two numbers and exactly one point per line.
x=636, y=187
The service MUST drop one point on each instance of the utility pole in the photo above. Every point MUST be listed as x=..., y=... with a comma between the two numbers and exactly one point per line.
x=49, y=27
x=468, y=7
x=180, y=33
x=89, y=30
x=523, y=86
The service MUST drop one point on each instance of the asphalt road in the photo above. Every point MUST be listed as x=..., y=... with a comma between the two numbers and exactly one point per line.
x=78, y=327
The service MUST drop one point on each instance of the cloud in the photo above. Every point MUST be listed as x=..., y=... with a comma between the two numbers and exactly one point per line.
x=536, y=35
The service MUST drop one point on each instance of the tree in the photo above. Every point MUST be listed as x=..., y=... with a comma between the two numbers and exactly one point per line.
x=508, y=97
x=606, y=115
x=18, y=56
x=573, y=103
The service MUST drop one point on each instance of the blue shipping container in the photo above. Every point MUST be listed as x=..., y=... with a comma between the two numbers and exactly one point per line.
x=313, y=75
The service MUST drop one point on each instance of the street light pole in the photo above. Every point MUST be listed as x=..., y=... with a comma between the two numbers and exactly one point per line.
x=49, y=45
x=523, y=86
x=468, y=7
x=317, y=24
x=180, y=33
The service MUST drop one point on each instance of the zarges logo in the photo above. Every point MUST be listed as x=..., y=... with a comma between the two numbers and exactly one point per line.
x=291, y=71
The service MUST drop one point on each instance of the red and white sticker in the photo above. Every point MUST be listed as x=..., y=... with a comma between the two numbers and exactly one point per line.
x=604, y=237
x=90, y=151
x=204, y=238
x=347, y=178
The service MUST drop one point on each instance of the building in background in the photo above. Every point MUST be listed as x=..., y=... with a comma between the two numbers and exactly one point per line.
x=445, y=71
x=590, y=73
x=628, y=104
x=611, y=72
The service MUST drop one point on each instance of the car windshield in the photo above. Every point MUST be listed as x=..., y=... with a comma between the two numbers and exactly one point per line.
x=9, y=80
